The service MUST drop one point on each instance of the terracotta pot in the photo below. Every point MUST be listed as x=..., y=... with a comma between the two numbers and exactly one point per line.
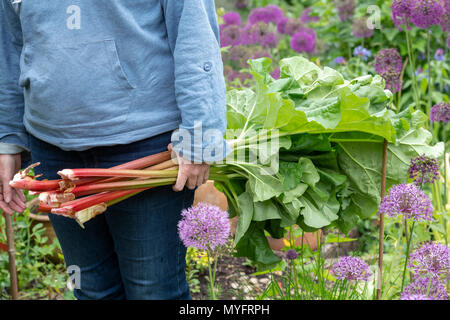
x=209, y=194
x=310, y=239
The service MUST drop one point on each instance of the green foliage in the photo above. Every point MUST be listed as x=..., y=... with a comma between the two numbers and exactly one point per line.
x=40, y=268
x=330, y=132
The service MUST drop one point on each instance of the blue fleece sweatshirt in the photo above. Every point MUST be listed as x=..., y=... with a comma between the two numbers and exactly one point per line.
x=82, y=73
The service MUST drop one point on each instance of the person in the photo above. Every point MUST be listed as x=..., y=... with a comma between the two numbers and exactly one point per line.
x=99, y=83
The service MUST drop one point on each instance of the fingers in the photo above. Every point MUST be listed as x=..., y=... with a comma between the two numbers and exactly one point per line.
x=17, y=206
x=7, y=190
x=181, y=181
x=21, y=195
x=6, y=208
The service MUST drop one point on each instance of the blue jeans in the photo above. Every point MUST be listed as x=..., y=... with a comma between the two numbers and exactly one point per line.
x=132, y=251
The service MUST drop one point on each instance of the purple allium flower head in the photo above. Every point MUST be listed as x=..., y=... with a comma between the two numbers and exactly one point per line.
x=425, y=13
x=268, y=14
x=259, y=15
x=362, y=52
x=346, y=9
x=432, y=260
x=423, y=169
x=281, y=25
x=440, y=112
x=388, y=59
x=407, y=296
x=276, y=73
x=260, y=53
x=439, y=55
x=204, y=226
x=232, y=18
x=261, y=33
x=291, y=254
x=276, y=14
x=420, y=287
x=388, y=64
x=351, y=268
x=401, y=11
x=241, y=4
x=339, y=60
x=230, y=35
x=360, y=28
x=293, y=26
x=392, y=80
x=306, y=17
x=409, y=201
x=304, y=41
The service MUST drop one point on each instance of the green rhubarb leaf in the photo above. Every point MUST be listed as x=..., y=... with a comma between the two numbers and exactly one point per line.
x=246, y=215
x=254, y=245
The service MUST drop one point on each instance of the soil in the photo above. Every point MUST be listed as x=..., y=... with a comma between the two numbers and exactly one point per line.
x=234, y=279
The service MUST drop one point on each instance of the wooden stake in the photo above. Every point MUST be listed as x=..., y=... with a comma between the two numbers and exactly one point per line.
x=381, y=222
x=12, y=257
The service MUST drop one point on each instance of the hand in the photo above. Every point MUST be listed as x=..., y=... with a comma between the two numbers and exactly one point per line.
x=190, y=174
x=10, y=199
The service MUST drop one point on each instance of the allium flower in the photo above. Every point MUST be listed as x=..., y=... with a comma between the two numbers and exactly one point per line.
x=401, y=11
x=407, y=296
x=440, y=112
x=276, y=73
x=409, y=201
x=260, y=54
x=291, y=254
x=276, y=14
x=241, y=4
x=259, y=15
x=360, y=28
x=339, y=60
x=306, y=17
x=346, y=9
x=268, y=14
x=387, y=59
x=230, y=35
x=388, y=64
x=432, y=260
x=439, y=55
x=204, y=226
x=351, y=268
x=281, y=25
x=392, y=80
x=362, y=52
x=260, y=33
x=293, y=26
x=420, y=287
x=232, y=18
x=303, y=41
x=423, y=169
x=425, y=13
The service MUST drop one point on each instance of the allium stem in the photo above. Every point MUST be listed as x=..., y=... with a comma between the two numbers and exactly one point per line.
x=430, y=80
x=211, y=277
x=412, y=69
x=408, y=245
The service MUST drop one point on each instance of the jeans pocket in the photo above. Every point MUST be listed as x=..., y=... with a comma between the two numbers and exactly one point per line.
x=76, y=86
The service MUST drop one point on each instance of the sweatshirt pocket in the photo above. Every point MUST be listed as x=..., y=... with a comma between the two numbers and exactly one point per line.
x=76, y=86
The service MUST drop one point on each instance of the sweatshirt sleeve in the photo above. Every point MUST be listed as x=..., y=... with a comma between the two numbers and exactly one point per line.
x=13, y=136
x=193, y=35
